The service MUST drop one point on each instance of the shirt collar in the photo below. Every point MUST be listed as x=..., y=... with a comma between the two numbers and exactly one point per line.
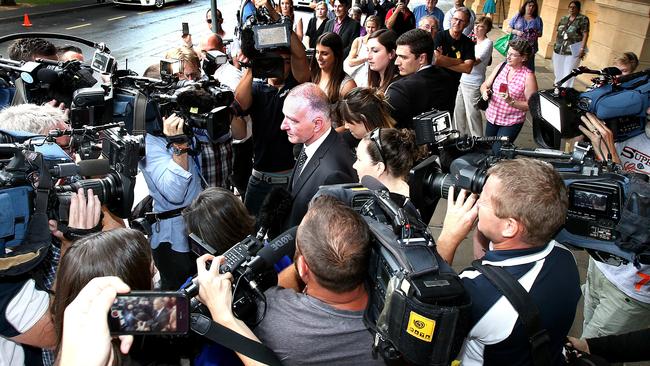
x=311, y=148
x=516, y=257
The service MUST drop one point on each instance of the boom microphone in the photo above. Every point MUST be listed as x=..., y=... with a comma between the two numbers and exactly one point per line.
x=272, y=252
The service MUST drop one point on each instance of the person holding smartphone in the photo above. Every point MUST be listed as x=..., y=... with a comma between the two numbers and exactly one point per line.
x=512, y=86
x=400, y=18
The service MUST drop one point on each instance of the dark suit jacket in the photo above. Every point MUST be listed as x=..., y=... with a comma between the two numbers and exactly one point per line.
x=420, y=92
x=349, y=31
x=158, y=323
x=330, y=164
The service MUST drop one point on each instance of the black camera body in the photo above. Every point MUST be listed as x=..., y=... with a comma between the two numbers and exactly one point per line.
x=204, y=104
x=261, y=39
x=418, y=309
x=123, y=150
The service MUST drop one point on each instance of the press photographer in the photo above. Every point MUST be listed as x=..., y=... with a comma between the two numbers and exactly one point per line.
x=263, y=101
x=521, y=207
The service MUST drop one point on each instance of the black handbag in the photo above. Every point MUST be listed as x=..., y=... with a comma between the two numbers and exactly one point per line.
x=482, y=104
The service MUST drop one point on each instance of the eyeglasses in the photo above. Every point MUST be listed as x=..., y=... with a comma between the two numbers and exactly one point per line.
x=457, y=20
x=375, y=137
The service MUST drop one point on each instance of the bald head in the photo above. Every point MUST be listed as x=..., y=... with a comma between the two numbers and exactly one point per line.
x=313, y=98
x=211, y=43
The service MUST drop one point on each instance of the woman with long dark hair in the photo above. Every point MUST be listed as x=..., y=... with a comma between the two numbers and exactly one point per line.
x=362, y=110
x=381, y=59
x=123, y=253
x=327, y=67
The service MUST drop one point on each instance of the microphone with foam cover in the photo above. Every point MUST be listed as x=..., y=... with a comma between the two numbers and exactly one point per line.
x=48, y=76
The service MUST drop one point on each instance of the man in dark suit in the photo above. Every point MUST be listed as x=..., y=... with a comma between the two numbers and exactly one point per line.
x=160, y=316
x=347, y=28
x=423, y=86
x=325, y=158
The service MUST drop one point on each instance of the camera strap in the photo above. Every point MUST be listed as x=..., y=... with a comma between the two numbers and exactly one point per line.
x=217, y=333
x=528, y=312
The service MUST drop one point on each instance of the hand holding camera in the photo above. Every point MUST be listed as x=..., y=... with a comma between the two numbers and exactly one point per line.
x=173, y=125
x=86, y=339
x=600, y=136
x=215, y=289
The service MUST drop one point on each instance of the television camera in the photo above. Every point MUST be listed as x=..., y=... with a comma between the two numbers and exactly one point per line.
x=599, y=194
x=262, y=38
x=619, y=100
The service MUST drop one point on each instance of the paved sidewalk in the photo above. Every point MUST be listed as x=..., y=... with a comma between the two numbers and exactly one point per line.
x=16, y=13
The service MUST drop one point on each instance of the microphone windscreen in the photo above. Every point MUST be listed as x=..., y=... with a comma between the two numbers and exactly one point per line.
x=372, y=183
x=93, y=167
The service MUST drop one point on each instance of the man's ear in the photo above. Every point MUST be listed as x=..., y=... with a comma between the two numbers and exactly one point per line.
x=512, y=228
x=303, y=269
x=422, y=59
x=319, y=124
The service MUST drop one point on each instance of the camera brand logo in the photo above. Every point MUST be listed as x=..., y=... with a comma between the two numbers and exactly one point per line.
x=421, y=327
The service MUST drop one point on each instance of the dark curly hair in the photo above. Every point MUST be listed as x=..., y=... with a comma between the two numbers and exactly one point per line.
x=399, y=151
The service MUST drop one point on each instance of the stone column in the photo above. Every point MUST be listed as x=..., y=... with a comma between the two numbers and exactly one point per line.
x=622, y=25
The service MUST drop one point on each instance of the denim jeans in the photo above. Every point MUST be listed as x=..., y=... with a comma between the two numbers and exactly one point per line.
x=510, y=131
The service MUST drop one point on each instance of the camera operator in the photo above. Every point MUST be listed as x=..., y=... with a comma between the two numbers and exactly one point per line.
x=331, y=258
x=263, y=101
x=173, y=179
x=25, y=322
x=521, y=207
x=617, y=298
x=36, y=119
x=28, y=49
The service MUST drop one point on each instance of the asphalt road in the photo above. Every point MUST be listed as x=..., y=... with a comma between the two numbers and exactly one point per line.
x=139, y=36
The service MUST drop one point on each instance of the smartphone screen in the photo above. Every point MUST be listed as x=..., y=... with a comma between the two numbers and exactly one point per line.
x=503, y=88
x=149, y=312
x=186, y=29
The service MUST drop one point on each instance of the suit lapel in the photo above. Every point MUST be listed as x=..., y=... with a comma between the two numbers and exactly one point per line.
x=313, y=163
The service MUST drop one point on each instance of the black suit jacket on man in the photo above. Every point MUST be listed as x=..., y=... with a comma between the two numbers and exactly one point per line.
x=330, y=164
x=349, y=31
x=160, y=321
x=420, y=92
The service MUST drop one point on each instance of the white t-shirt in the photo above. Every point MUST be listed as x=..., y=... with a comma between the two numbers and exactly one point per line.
x=633, y=282
x=483, y=52
x=635, y=154
x=24, y=310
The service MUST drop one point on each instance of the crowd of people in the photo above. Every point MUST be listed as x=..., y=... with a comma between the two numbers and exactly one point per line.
x=344, y=114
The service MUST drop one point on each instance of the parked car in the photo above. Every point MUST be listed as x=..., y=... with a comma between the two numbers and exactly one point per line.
x=157, y=3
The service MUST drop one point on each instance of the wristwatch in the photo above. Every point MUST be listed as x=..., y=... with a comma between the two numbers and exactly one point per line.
x=176, y=151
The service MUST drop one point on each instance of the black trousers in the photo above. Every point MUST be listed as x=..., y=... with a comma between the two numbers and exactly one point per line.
x=174, y=267
x=242, y=165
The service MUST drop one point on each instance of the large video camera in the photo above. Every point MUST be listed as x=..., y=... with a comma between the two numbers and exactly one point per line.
x=121, y=152
x=418, y=309
x=620, y=101
x=203, y=104
x=261, y=38
x=598, y=195
x=251, y=264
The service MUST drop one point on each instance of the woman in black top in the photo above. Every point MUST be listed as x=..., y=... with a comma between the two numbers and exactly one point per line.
x=316, y=25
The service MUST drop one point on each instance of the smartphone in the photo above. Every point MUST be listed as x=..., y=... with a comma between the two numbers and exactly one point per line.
x=186, y=29
x=503, y=88
x=149, y=312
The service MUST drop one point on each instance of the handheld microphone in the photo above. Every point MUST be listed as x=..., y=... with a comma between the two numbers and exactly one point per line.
x=274, y=210
x=272, y=252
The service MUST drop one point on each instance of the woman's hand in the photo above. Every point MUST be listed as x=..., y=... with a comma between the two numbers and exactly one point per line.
x=579, y=344
x=215, y=290
x=86, y=338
